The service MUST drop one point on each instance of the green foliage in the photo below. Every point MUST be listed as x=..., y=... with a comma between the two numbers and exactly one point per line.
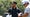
x=7, y=4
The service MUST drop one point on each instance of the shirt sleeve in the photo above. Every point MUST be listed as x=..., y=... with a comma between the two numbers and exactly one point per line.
x=19, y=11
x=26, y=10
x=9, y=11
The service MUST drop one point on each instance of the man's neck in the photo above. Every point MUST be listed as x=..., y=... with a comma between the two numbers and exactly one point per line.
x=14, y=7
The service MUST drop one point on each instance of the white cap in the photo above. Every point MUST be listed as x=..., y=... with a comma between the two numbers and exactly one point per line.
x=25, y=1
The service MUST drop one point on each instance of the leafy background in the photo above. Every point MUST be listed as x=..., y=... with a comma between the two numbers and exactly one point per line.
x=6, y=4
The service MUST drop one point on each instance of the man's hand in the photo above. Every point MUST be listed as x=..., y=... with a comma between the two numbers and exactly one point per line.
x=20, y=15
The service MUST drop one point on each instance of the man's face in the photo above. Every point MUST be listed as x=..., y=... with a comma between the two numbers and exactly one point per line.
x=26, y=5
x=13, y=5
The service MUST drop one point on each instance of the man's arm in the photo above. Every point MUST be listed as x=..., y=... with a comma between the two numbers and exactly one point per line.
x=19, y=13
x=25, y=15
x=26, y=12
x=9, y=10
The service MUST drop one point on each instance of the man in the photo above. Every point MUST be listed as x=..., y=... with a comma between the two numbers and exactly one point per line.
x=14, y=11
x=27, y=10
